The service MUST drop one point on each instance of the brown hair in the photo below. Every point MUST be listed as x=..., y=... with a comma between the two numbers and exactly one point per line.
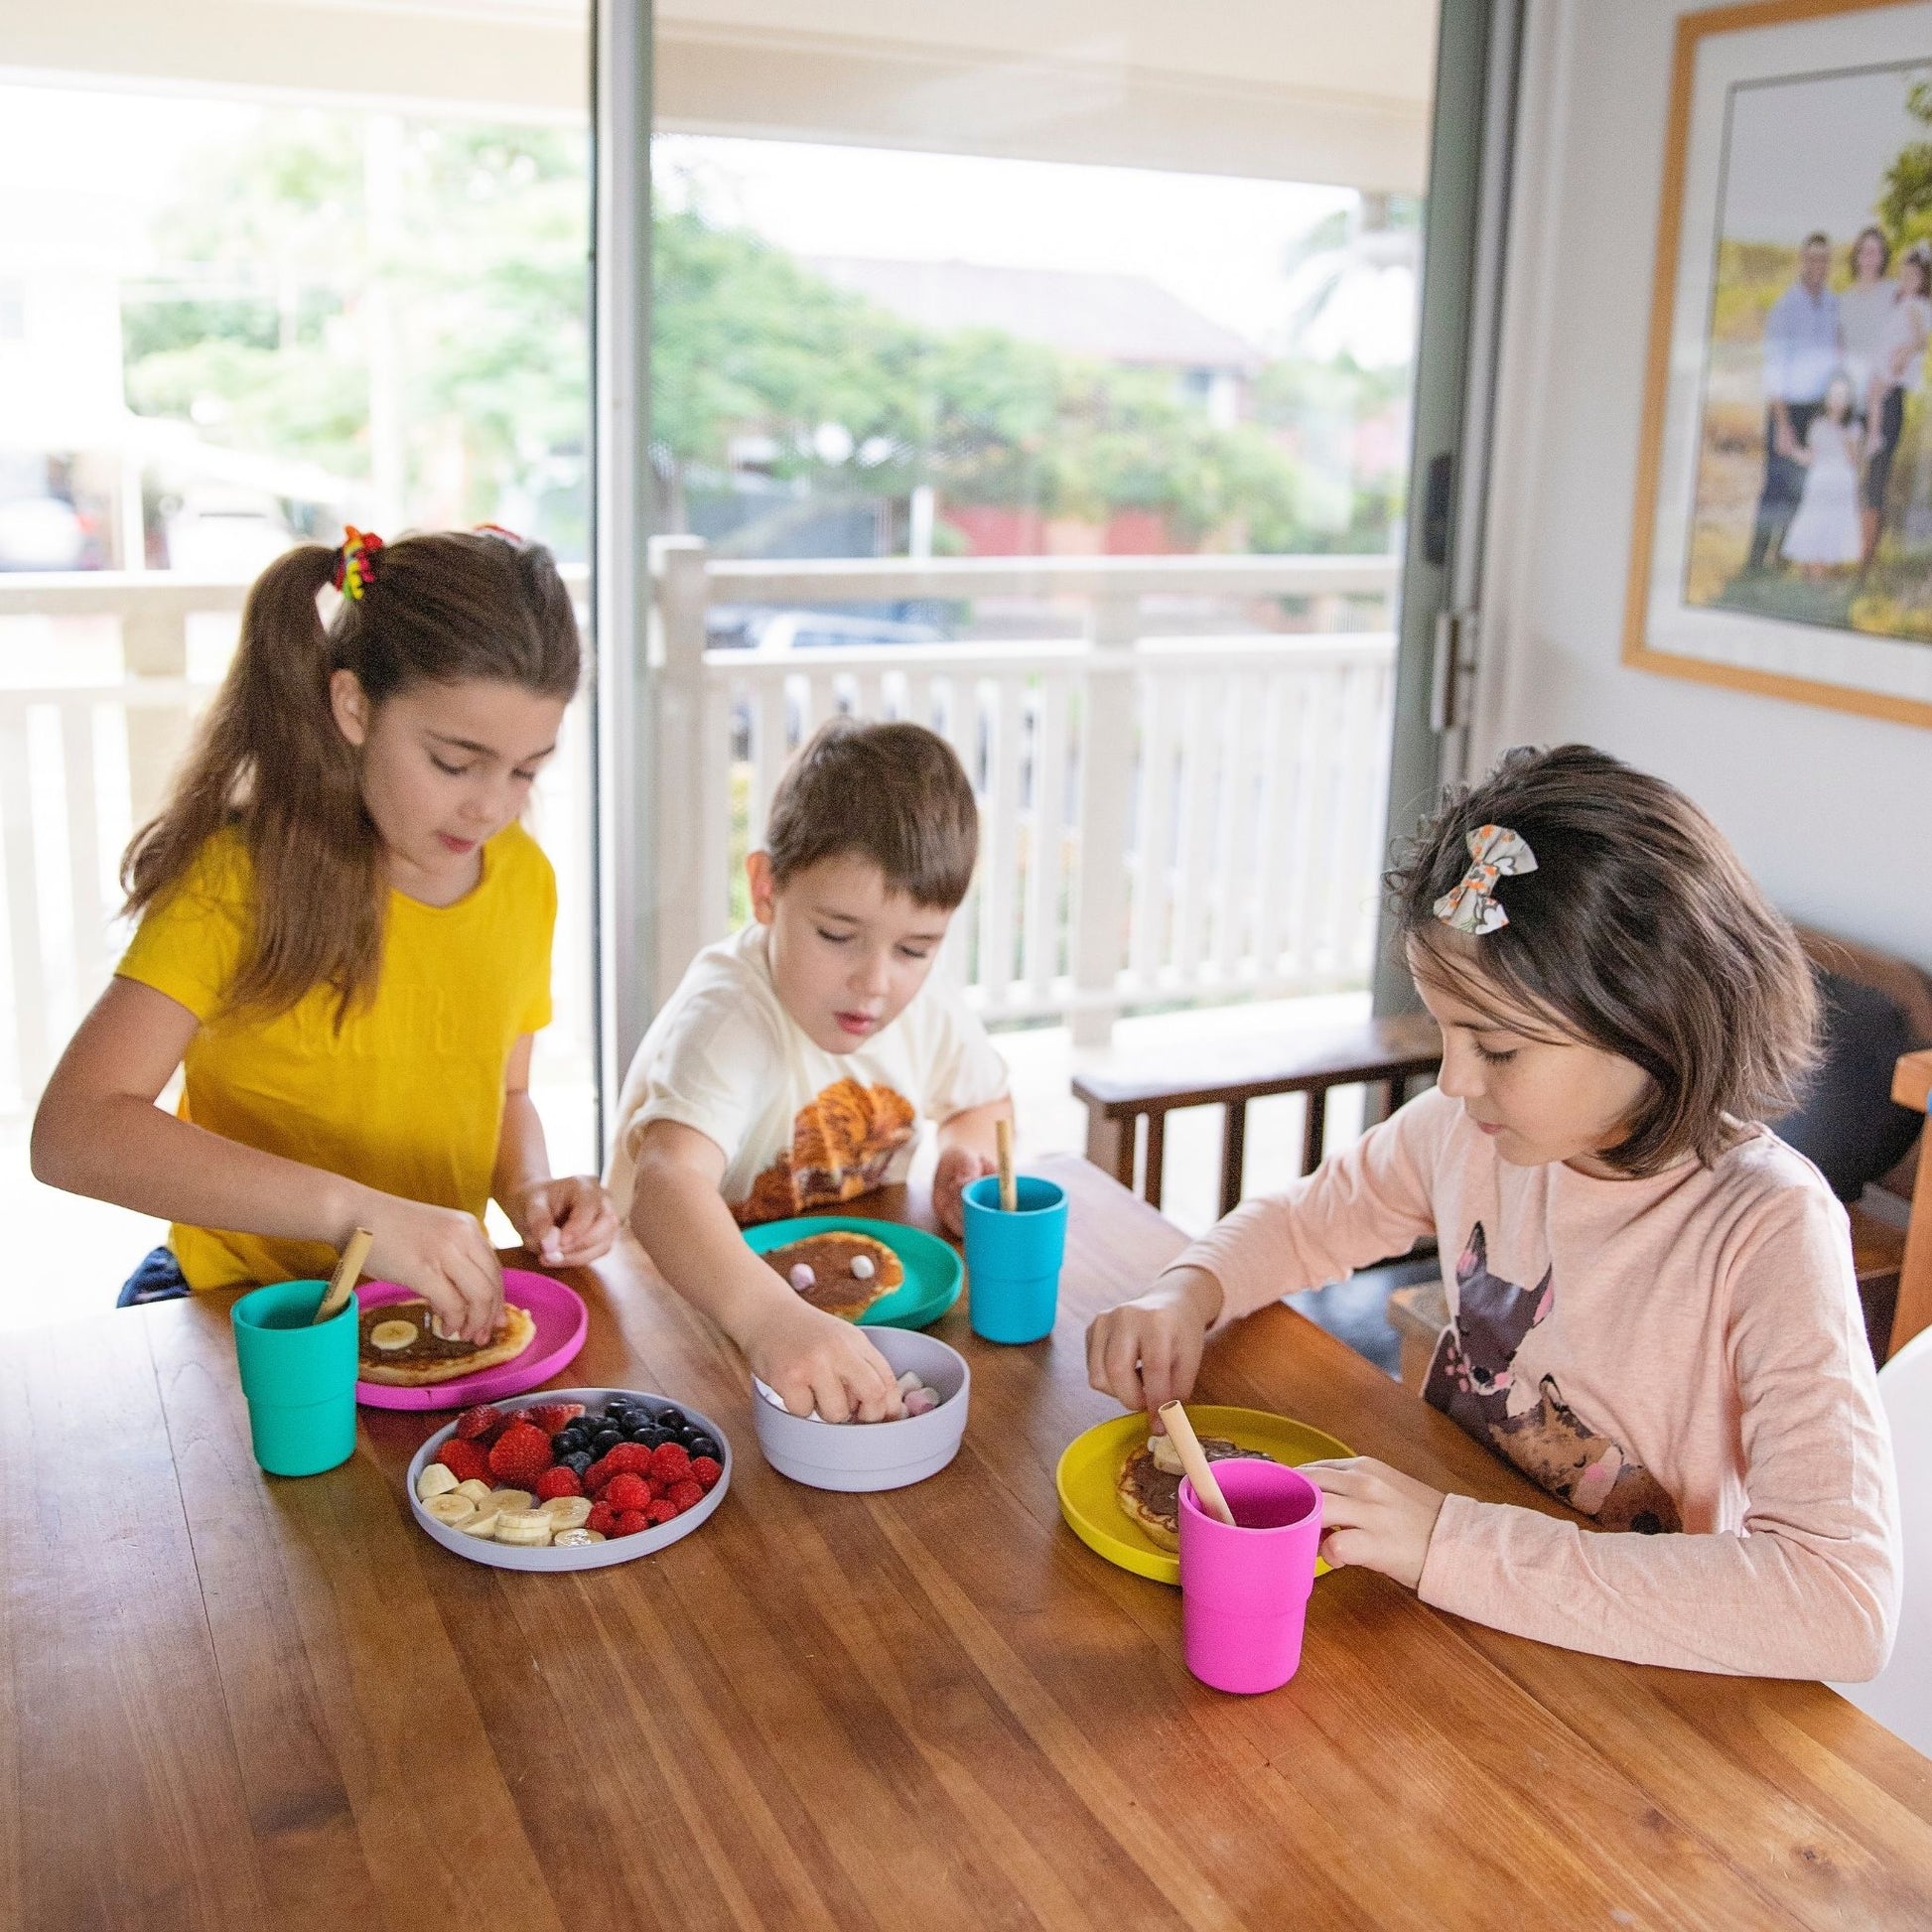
x=269, y=759
x=893, y=793
x=1639, y=930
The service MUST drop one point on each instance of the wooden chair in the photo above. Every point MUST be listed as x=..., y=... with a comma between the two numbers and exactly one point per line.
x=1385, y=1055
x=1911, y=1086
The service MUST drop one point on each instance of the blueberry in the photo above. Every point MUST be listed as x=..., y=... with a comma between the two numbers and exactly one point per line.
x=689, y=1438
x=604, y=1441
x=577, y=1459
x=653, y=1438
x=670, y=1418
x=567, y=1442
x=703, y=1445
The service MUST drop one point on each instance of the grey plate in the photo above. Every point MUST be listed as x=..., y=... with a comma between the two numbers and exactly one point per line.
x=581, y=1556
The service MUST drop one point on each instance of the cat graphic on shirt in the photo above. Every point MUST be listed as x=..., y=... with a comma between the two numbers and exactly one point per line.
x=1471, y=1379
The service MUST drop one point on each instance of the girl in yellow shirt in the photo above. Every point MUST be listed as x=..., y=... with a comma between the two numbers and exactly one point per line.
x=345, y=942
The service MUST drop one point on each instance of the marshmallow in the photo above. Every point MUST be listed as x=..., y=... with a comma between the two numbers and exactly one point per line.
x=862, y=1268
x=802, y=1277
x=908, y=1381
x=921, y=1402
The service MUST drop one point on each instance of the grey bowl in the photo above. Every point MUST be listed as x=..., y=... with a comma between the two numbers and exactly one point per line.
x=864, y=1456
x=579, y=1556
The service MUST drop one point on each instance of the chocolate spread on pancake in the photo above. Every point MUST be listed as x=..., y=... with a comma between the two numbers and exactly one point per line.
x=427, y=1346
x=835, y=1287
x=1159, y=1493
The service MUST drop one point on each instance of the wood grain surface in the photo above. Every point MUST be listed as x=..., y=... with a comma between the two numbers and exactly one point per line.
x=230, y=1700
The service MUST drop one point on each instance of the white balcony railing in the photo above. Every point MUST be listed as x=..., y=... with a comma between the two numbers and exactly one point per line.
x=1164, y=818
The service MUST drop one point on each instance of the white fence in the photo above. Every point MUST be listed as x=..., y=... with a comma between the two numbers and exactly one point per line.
x=1164, y=818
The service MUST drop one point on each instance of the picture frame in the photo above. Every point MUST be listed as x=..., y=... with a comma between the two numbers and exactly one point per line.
x=1781, y=537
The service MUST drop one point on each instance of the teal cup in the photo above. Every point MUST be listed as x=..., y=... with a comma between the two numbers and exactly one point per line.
x=299, y=1378
x=1013, y=1261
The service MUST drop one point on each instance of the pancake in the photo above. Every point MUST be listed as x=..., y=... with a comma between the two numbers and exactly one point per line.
x=835, y=1287
x=429, y=1358
x=1150, y=1496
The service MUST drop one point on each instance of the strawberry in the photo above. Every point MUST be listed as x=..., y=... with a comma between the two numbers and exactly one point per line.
x=705, y=1471
x=519, y=1456
x=628, y=1491
x=552, y=1416
x=682, y=1496
x=558, y=1483
x=464, y=1460
x=480, y=1425
x=630, y=1522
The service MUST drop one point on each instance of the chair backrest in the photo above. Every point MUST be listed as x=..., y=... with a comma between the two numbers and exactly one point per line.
x=1900, y=1697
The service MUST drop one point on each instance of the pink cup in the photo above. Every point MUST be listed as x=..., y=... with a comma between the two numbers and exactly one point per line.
x=1244, y=1591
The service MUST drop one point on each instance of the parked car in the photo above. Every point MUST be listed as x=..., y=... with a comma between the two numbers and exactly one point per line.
x=44, y=533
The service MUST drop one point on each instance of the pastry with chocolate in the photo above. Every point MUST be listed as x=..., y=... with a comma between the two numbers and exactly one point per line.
x=1148, y=1487
x=840, y=1272
x=399, y=1345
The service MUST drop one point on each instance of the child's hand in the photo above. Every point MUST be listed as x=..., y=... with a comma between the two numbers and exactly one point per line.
x=958, y=1169
x=445, y=1256
x=1148, y=1351
x=565, y=1223
x=815, y=1361
x=1374, y=1516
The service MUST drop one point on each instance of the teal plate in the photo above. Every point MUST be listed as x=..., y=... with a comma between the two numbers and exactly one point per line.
x=932, y=1269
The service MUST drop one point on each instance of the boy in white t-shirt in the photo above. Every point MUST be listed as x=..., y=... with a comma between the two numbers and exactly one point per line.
x=790, y=1069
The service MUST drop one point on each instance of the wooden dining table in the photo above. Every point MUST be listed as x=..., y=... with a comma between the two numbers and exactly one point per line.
x=231, y=1700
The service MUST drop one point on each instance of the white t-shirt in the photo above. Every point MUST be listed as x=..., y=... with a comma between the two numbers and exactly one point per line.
x=800, y=1128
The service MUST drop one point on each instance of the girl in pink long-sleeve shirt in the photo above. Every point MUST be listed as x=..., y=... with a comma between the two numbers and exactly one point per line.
x=1654, y=1314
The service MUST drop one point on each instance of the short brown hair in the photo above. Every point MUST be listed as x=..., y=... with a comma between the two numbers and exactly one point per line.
x=1640, y=930
x=893, y=793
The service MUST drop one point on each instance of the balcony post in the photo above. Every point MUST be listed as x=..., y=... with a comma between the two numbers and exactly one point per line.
x=690, y=776
x=1106, y=785
x=154, y=644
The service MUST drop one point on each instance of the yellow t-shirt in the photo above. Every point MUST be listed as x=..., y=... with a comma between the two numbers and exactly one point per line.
x=408, y=1096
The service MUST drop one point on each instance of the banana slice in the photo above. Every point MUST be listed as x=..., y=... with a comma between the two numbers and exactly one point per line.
x=476, y=1489
x=512, y=1500
x=573, y=1539
x=436, y=1480
x=450, y=1510
x=523, y=1526
x=568, y=1512
x=388, y=1335
x=1166, y=1457
x=483, y=1522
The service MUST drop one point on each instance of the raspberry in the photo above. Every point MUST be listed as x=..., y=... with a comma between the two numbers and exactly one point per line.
x=681, y=1495
x=552, y=1416
x=558, y=1483
x=628, y=1458
x=670, y=1463
x=479, y=1424
x=464, y=1460
x=597, y=1476
x=602, y=1518
x=705, y=1471
x=631, y=1521
x=521, y=1455
x=628, y=1491
x=659, y=1512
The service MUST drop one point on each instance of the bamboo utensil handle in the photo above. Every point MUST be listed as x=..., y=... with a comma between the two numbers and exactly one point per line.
x=1008, y=1185
x=1201, y=1472
x=336, y=1295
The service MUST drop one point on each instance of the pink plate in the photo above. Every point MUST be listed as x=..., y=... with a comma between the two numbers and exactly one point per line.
x=562, y=1323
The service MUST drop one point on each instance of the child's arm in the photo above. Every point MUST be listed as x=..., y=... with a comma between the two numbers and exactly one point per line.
x=565, y=1223
x=968, y=1149
x=812, y=1359
x=98, y=1131
x=1362, y=1204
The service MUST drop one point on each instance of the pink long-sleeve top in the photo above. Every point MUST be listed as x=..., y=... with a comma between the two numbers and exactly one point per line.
x=1681, y=1358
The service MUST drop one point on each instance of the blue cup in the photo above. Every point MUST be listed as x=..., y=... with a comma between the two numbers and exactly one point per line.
x=1013, y=1261
x=299, y=1378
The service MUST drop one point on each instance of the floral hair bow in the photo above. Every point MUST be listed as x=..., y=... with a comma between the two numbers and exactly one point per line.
x=356, y=562
x=1494, y=850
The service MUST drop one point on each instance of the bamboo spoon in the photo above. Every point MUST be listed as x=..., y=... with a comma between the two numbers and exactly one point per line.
x=1008, y=1185
x=336, y=1295
x=1201, y=1472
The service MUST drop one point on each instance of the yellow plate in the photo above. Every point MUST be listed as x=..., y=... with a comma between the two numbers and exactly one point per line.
x=1090, y=1467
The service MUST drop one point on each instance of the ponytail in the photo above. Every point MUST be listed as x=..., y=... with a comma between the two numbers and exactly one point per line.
x=270, y=762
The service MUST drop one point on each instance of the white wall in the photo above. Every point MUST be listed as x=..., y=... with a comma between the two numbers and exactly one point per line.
x=1832, y=813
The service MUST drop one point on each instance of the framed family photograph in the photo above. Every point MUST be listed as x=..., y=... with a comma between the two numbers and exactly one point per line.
x=1782, y=538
